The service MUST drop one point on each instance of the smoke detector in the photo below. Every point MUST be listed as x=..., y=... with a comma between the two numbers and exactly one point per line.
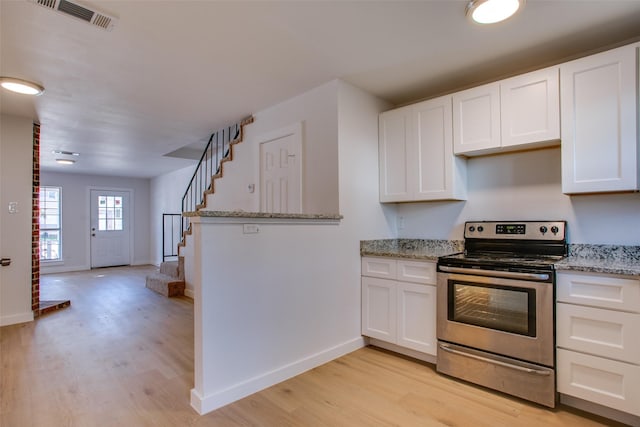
x=79, y=11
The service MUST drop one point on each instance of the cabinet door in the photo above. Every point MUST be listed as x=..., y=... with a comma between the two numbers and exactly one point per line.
x=607, y=333
x=417, y=317
x=476, y=119
x=379, y=309
x=530, y=108
x=437, y=173
x=394, y=140
x=602, y=381
x=599, y=134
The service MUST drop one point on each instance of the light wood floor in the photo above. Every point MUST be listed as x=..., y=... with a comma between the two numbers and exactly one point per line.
x=122, y=356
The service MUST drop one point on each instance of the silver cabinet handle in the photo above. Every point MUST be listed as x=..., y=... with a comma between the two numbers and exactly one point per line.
x=495, y=273
x=495, y=362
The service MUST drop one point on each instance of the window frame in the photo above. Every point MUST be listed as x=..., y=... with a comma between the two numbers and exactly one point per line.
x=41, y=209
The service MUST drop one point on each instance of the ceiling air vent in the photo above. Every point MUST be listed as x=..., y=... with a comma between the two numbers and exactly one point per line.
x=79, y=11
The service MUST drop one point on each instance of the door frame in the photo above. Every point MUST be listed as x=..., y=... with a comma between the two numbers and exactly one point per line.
x=294, y=130
x=88, y=223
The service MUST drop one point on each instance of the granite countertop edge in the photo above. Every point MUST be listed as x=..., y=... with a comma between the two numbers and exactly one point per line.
x=588, y=258
x=419, y=249
x=264, y=215
x=607, y=259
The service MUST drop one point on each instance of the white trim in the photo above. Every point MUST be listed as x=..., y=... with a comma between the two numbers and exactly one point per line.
x=402, y=350
x=131, y=219
x=16, y=318
x=189, y=293
x=63, y=269
x=205, y=404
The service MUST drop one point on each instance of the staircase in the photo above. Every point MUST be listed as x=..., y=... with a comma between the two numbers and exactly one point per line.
x=219, y=150
x=169, y=281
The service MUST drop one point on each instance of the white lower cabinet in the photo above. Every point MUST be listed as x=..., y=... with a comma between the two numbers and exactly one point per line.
x=596, y=379
x=598, y=355
x=400, y=310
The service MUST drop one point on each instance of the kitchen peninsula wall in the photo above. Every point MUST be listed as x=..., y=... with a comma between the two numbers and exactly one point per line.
x=524, y=186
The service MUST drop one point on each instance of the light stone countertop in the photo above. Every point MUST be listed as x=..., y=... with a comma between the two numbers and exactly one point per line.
x=260, y=215
x=410, y=248
x=607, y=259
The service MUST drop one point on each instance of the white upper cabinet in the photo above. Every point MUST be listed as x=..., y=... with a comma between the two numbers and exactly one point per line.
x=416, y=154
x=394, y=145
x=476, y=119
x=516, y=113
x=599, y=122
x=530, y=108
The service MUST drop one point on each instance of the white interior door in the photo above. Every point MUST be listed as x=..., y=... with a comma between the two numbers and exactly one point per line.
x=280, y=172
x=110, y=228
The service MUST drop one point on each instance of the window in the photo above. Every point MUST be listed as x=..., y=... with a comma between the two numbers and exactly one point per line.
x=109, y=213
x=50, y=220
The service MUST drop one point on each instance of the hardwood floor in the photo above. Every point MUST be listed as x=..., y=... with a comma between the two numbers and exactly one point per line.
x=122, y=355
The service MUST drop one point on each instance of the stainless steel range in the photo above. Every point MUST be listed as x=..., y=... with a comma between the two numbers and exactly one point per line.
x=495, y=320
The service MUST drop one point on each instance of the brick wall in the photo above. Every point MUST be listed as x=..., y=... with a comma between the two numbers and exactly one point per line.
x=35, y=224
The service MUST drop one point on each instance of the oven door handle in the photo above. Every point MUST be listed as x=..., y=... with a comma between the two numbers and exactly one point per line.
x=495, y=362
x=496, y=273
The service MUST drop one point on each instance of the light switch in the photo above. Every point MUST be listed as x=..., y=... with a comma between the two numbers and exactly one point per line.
x=13, y=207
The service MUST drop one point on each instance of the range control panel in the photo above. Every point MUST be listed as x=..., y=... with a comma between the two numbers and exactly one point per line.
x=515, y=230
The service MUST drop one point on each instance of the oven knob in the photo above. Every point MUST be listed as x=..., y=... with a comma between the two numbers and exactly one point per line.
x=472, y=229
x=543, y=229
x=480, y=229
x=554, y=230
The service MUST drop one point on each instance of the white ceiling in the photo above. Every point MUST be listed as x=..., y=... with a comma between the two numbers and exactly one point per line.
x=171, y=72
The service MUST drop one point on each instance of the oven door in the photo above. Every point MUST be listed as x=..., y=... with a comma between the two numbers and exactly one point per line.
x=509, y=317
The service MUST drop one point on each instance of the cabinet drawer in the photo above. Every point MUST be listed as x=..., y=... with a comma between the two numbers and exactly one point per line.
x=599, y=291
x=379, y=267
x=417, y=272
x=606, y=382
x=600, y=332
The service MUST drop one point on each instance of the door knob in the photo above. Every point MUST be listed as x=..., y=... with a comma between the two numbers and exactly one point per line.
x=5, y=262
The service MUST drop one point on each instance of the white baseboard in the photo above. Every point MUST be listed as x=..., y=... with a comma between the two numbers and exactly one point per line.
x=14, y=319
x=403, y=350
x=603, y=411
x=63, y=269
x=189, y=293
x=204, y=404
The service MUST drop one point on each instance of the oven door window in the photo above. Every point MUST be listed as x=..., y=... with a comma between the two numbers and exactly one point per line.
x=502, y=308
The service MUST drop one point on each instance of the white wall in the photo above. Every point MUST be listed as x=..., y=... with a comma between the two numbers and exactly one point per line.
x=526, y=186
x=166, y=197
x=317, y=111
x=271, y=305
x=76, y=217
x=16, y=159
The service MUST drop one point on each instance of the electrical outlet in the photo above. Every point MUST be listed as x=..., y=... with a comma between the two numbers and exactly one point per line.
x=13, y=207
x=400, y=222
x=250, y=228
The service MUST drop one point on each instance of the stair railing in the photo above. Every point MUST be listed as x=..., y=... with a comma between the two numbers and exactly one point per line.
x=217, y=150
x=171, y=235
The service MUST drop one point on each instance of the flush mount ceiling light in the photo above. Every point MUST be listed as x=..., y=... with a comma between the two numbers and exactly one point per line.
x=65, y=161
x=492, y=11
x=66, y=153
x=21, y=86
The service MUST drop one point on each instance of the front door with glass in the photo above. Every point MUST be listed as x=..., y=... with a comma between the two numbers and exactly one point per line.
x=110, y=228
